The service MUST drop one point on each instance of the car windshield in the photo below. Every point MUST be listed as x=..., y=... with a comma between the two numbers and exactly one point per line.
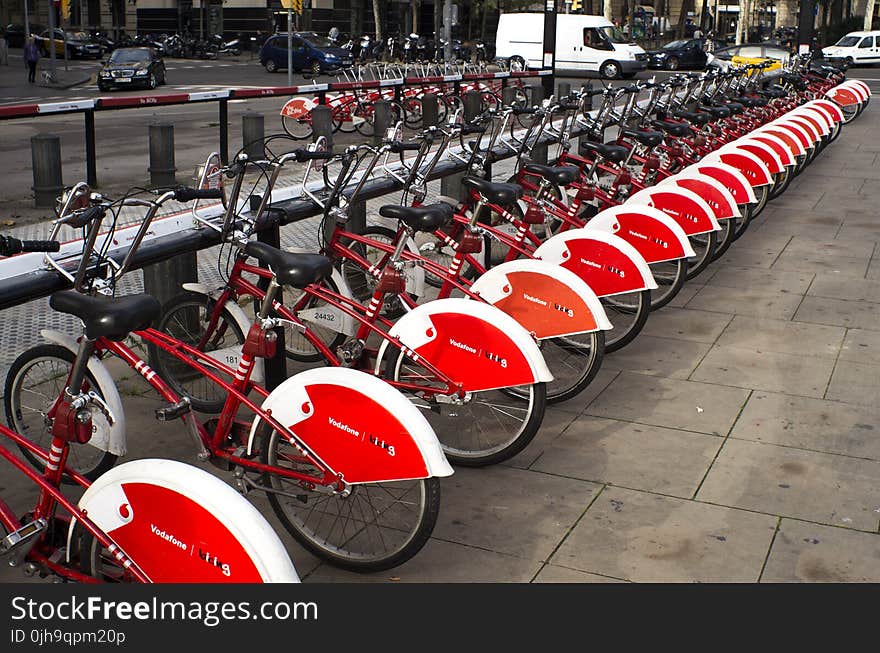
x=77, y=36
x=129, y=56
x=847, y=41
x=614, y=35
x=675, y=45
x=318, y=41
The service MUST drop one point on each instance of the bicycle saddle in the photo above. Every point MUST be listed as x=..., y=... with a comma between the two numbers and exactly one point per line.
x=108, y=317
x=613, y=153
x=420, y=218
x=502, y=194
x=717, y=112
x=773, y=92
x=561, y=176
x=291, y=269
x=678, y=129
x=647, y=137
x=735, y=107
x=698, y=118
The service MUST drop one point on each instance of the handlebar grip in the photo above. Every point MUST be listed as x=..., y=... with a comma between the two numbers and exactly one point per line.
x=472, y=129
x=84, y=217
x=518, y=111
x=186, y=194
x=397, y=147
x=10, y=246
x=235, y=169
x=569, y=106
x=308, y=155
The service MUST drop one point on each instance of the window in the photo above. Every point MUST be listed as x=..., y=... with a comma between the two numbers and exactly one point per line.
x=593, y=38
x=848, y=41
x=867, y=42
x=750, y=51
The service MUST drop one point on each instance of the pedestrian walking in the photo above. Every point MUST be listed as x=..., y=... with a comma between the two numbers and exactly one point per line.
x=31, y=57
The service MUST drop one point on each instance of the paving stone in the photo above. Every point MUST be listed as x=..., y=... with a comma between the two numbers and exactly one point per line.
x=555, y=574
x=555, y=421
x=873, y=269
x=658, y=356
x=812, y=553
x=855, y=383
x=651, y=538
x=701, y=407
x=847, y=266
x=636, y=456
x=687, y=293
x=763, y=370
x=441, y=562
x=511, y=511
x=818, y=487
x=824, y=310
x=685, y=324
x=808, y=244
x=826, y=285
x=729, y=276
x=807, y=423
x=751, y=255
x=780, y=336
x=774, y=214
x=860, y=227
x=776, y=227
x=746, y=301
x=861, y=346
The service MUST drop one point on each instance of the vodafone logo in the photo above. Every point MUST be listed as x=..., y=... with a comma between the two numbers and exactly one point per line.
x=125, y=511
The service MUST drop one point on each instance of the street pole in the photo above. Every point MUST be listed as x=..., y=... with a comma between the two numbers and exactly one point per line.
x=51, y=38
x=27, y=24
x=447, y=30
x=549, y=60
x=805, y=25
x=290, y=46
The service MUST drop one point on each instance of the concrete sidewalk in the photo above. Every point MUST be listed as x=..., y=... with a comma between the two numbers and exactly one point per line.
x=736, y=440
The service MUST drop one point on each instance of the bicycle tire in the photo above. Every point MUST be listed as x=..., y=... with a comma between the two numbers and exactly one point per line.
x=361, y=283
x=341, y=551
x=670, y=277
x=85, y=459
x=742, y=223
x=297, y=128
x=455, y=425
x=184, y=380
x=724, y=238
x=296, y=346
x=704, y=246
x=628, y=313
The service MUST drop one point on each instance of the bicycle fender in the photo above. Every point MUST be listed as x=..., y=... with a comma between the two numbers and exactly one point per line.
x=734, y=181
x=830, y=108
x=744, y=161
x=333, y=318
x=859, y=84
x=298, y=107
x=712, y=191
x=359, y=426
x=684, y=206
x=857, y=90
x=821, y=119
x=607, y=263
x=114, y=442
x=549, y=301
x=230, y=356
x=786, y=136
x=796, y=129
x=811, y=128
x=475, y=344
x=179, y=523
x=764, y=152
x=655, y=235
x=777, y=145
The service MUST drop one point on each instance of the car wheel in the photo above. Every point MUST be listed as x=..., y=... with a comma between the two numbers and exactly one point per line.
x=153, y=82
x=164, y=78
x=849, y=62
x=103, y=87
x=271, y=66
x=517, y=63
x=610, y=70
x=315, y=68
x=672, y=63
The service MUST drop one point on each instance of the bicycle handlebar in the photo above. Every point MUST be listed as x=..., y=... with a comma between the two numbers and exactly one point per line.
x=186, y=194
x=10, y=246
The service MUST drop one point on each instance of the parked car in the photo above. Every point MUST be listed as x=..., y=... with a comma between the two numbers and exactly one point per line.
x=583, y=43
x=856, y=49
x=128, y=67
x=751, y=53
x=684, y=53
x=311, y=53
x=78, y=44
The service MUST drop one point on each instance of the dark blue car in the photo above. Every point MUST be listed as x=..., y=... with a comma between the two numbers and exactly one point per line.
x=312, y=54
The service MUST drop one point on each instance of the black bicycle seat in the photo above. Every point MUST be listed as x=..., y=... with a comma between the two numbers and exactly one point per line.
x=647, y=137
x=613, y=153
x=501, y=194
x=108, y=317
x=677, y=129
x=561, y=176
x=291, y=269
x=420, y=218
x=698, y=118
x=718, y=112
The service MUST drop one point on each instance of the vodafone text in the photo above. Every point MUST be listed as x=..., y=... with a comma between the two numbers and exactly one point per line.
x=208, y=613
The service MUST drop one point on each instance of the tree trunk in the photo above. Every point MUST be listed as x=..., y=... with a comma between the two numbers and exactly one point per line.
x=869, y=15
x=686, y=6
x=377, y=17
x=415, y=16
x=608, y=9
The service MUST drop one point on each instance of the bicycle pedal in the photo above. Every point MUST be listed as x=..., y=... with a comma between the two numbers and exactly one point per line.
x=20, y=541
x=173, y=411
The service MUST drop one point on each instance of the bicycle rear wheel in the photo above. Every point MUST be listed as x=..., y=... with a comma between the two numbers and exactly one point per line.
x=298, y=128
x=628, y=313
x=34, y=383
x=703, y=245
x=670, y=277
x=375, y=527
x=487, y=428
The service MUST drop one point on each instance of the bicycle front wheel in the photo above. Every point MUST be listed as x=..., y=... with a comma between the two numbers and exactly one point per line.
x=298, y=128
x=33, y=385
x=375, y=527
x=486, y=427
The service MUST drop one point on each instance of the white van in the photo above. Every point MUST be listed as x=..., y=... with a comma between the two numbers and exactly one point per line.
x=588, y=43
x=857, y=48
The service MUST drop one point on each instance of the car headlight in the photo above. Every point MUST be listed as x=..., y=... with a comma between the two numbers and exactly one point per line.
x=660, y=55
x=105, y=73
x=141, y=72
x=331, y=57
